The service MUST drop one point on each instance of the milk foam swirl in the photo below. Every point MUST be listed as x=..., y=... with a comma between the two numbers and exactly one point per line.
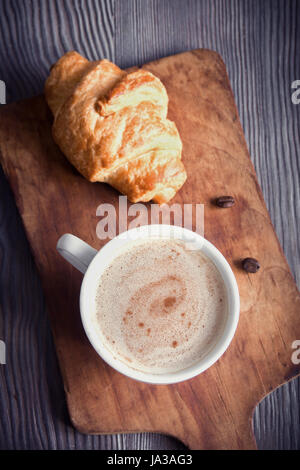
x=159, y=306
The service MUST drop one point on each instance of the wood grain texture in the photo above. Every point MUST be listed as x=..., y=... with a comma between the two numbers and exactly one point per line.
x=258, y=41
x=214, y=410
x=35, y=33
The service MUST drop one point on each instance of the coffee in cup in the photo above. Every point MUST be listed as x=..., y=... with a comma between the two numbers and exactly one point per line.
x=160, y=307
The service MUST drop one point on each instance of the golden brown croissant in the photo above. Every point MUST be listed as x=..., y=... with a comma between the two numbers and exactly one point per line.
x=113, y=127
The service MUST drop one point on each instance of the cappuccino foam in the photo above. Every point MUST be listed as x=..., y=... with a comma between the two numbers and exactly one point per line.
x=159, y=306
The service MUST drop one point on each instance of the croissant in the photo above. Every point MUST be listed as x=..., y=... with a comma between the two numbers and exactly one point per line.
x=113, y=127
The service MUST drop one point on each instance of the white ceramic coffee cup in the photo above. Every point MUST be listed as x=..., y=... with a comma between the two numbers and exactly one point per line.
x=92, y=263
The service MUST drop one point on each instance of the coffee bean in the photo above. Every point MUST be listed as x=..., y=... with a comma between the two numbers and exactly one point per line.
x=250, y=265
x=225, y=201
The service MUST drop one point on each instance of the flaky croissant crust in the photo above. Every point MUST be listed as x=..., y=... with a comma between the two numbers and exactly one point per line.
x=113, y=127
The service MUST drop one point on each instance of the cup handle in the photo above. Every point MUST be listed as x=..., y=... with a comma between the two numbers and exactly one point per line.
x=75, y=251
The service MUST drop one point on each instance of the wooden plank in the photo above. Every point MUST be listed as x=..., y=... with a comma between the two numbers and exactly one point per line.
x=50, y=194
x=35, y=34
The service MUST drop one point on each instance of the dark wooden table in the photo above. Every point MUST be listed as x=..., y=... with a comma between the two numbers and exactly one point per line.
x=260, y=44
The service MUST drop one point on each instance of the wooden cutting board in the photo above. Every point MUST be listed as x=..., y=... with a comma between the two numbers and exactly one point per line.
x=213, y=410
